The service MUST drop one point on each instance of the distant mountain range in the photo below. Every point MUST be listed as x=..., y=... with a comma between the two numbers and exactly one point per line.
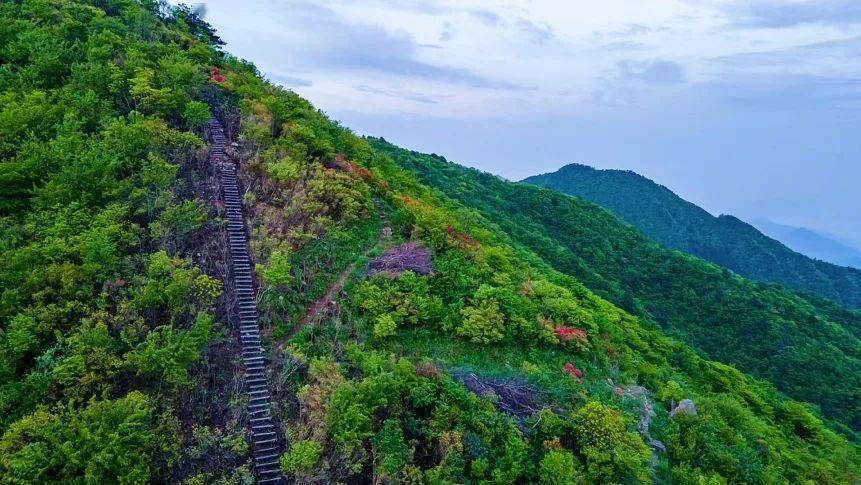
x=815, y=244
x=725, y=240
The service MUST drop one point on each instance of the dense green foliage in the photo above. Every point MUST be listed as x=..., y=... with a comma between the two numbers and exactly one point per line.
x=102, y=313
x=105, y=318
x=372, y=376
x=804, y=345
x=724, y=240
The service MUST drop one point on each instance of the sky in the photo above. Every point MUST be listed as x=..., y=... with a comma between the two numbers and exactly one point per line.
x=745, y=107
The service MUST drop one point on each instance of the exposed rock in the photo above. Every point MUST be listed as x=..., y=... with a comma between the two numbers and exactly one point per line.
x=641, y=393
x=686, y=406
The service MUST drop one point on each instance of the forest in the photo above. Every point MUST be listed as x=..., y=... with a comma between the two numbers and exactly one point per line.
x=725, y=240
x=412, y=337
x=771, y=332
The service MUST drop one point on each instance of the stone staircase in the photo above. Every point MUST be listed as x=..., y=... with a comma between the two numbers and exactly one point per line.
x=266, y=448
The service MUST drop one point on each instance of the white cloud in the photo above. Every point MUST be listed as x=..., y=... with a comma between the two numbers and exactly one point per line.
x=719, y=99
x=477, y=59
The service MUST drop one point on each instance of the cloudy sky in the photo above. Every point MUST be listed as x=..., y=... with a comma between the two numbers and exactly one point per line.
x=748, y=107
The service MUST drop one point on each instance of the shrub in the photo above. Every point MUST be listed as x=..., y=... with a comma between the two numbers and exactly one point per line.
x=302, y=457
x=196, y=113
x=285, y=169
x=177, y=220
x=106, y=442
x=482, y=323
x=391, y=449
x=613, y=454
x=385, y=326
x=168, y=352
x=277, y=274
x=558, y=468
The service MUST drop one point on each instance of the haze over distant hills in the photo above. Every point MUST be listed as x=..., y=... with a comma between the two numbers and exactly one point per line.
x=812, y=243
x=725, y=240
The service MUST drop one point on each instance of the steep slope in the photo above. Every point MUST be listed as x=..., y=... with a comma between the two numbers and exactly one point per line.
x=265, y=438
x=724, y=240
x=805, y=346
x=481, y=363
x=113, y=368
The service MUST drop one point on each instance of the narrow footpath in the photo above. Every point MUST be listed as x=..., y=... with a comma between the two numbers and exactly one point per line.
x=266, y=449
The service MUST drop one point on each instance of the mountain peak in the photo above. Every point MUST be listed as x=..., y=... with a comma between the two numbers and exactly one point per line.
x=725, y=240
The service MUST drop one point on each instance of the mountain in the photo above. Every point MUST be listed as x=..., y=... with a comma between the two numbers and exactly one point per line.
x=724, y=240
x=406, y=337
x=812, y=243
x=760, y=328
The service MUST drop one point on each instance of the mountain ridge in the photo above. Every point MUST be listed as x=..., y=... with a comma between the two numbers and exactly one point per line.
x=422, y=343
x=812, y=243
x=724, y=239
x=728, y=317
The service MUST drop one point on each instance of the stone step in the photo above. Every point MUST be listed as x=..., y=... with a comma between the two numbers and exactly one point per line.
x=269, y=479
x=265, y=449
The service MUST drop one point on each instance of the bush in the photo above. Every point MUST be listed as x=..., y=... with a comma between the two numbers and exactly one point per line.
x=106, y=442
x=278, y=273
x=482, y=323
x=385, y=326
x=285, y=169
x=558, y=468
x=612, y=453
x=196, y=113
x=168, y=352
x=393, y=452
x=302, y=457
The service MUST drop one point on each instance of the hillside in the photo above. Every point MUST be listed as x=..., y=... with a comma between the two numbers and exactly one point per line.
x=724, y=240
x=763, y=329
x=408, y=338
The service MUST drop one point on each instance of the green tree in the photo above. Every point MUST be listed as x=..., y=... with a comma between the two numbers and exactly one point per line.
x=559, y=467
x=196, y=114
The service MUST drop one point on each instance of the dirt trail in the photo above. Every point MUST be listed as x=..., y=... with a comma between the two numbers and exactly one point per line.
x=324, y=302
x=328, y=300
